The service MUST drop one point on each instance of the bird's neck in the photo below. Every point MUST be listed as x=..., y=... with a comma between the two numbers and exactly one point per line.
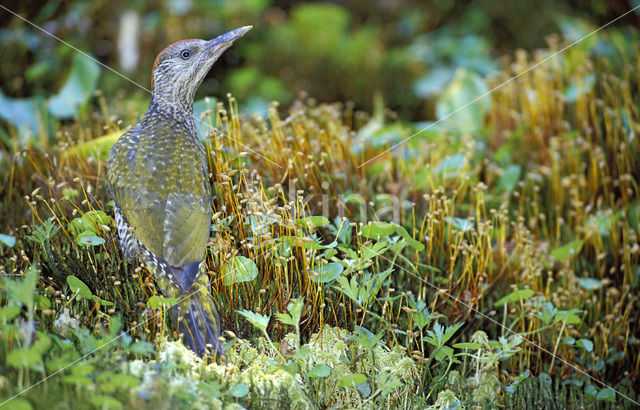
x=178, y=110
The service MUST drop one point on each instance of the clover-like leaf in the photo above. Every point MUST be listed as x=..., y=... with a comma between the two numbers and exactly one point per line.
x=238, y=269
x=320, y=371
x=352, y=380
x=326, y=273
x=76, y=285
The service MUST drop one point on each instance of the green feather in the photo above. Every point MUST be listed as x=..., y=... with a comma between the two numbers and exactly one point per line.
x=158, y=176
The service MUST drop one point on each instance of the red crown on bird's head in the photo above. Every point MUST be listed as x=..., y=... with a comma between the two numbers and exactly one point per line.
x=167, y=48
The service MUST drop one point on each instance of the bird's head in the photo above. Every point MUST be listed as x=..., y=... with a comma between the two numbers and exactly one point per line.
x=180, y=68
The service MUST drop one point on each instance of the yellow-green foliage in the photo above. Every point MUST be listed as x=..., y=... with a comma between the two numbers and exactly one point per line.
x=254, y=365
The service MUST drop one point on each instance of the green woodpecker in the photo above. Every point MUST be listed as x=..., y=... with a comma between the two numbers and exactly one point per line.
x=157, y=174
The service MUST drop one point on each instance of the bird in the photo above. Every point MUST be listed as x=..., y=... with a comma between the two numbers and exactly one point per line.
x=157, y=175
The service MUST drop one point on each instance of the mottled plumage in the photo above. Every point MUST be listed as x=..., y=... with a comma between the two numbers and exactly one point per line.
x=157, y=174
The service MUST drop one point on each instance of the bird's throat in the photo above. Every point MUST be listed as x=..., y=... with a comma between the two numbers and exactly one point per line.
x=175, y=110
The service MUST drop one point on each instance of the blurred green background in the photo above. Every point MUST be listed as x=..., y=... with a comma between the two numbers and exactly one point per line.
x=347, y=51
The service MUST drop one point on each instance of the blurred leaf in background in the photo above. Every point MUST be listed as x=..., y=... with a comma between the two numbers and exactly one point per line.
x=406, y=51
x=454, y=106
x=444, y=52
x=315, y=51
x=81, y=83
x=22, y=114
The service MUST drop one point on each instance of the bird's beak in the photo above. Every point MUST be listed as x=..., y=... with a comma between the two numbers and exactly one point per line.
x=219, y=44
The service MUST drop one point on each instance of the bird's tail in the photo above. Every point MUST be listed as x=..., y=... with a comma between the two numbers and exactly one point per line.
x=197, y=320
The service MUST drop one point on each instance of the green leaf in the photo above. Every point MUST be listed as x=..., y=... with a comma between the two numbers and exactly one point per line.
x=78, y=88
x=90, y=240
x=41, y=302
x=451, y=166
x=7, y=313
x=317, y=246
x=326, y=273
x=547, y=313
x=295, y=308
x=23, y=289
x=76, y=285
x=586, y=344
x=451, y=330
x=516, y=296
x=422, y=319
x=41, y=345
x=459, y=105
x=432, y=82
x=76, y=380
x=286, y=319
x=295, y=312
x=342, y=230
x=463, y=225
x=142, y=347
x=102, y=301
x=467, y=345
x=570, y=249
x=18, y=403
x=364, y=388
x=367, y=339
x=120, y=381
x=388, y=382
x=509, y=178
x=405, y=235
x=606, y=394
x=238, y=269
x=371, y=251
x=8, y=240
x=569, y=315
x=23, y=114
x=23, y=357
x=376, y=229
x=256, y=319
x=314, y=221
x=320, y=371
x=82, y=369
x=301, y=353
x=590, y=390
x=349, y=288
x=441, y=334
x=590, y=283
x=239, y=390
x=443, y=352
x=105, y=402
x=159, y=302
x=352, y=380
x=89, y=223
x=512, y=388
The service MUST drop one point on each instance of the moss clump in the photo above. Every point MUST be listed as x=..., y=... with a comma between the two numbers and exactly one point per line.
x=253, y=375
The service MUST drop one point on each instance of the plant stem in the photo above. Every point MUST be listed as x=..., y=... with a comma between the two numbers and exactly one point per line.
x=555, y=349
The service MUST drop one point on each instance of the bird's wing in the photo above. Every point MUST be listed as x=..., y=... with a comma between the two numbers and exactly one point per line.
x=163, y=191
x=187, y=221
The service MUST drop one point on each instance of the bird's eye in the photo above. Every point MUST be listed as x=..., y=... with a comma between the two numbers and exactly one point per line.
x=185, y=54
